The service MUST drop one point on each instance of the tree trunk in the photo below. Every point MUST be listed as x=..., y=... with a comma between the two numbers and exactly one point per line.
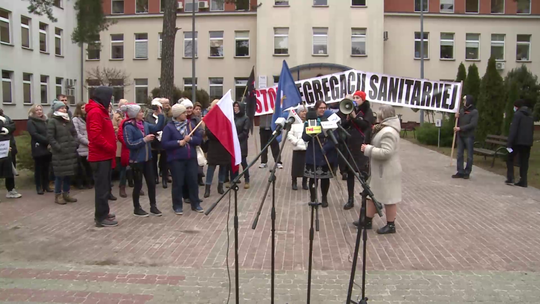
x=167, y=50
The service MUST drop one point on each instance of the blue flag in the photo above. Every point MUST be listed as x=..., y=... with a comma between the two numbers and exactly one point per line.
x=287, y=95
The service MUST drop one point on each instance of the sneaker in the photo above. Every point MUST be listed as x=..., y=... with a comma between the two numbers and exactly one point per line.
x=107, y=223
x=140, y=212
x=521, y=184
x=262, y=166
x=509, y=182
x=197, y=208
x=178, y=211
x=246, y=185
x=111, y=216
x=227, y=184
x=279, y=166
x=465, y=176
x=155, y=211
x=13, y=194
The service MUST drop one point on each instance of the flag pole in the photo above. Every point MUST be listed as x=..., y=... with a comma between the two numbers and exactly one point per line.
x=455, y=125
x=192, y=131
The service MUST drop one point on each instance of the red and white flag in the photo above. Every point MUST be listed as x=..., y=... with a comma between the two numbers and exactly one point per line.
x=220, y=121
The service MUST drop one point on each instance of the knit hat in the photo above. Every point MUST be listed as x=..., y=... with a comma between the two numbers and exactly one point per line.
x=57, y=105
x=131, y=109
x=187, y=103
x=157, y=102
x=177, y=110
x=360, y=94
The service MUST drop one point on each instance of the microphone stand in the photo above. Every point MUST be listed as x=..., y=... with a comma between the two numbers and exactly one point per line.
x=272, y=181
x=314, y=215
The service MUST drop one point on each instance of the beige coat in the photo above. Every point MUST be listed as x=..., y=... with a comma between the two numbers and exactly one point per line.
x=117, y=119
x=385, y=180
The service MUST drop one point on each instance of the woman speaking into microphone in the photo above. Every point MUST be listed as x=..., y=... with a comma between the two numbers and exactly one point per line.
x=358, y=123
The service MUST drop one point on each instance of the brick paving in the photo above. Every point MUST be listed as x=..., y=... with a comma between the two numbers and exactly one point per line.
x=476, y=238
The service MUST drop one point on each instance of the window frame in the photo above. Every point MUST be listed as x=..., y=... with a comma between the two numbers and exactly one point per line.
x=142, y=12
x=27, y=27
x=60, y=4
x=138, y=86
x=503, y=8
x=98, y=45
x=160, y=44
x=123, y=7
x=59, y=37
x=46, y=85
x=191, y=40
x=217, y=10
x=320, y=5
x=117, y=42
x=478, y=7
x=426, y=7
x=498, y=42
x=10, y=80
x=453, y=41
x=528, y=43
x=8, y=21
x=214, y=85
x=61, y=86
x=237, y=39
x=313, y=35
x=359, y=5
x=517, y=7
x=136, y=41
x=473, y=41
x=359, y=36
x=190, y=86
x=286, y=36
x=426, y=54
x=192, y=2
x=239, y=83
x=46, y=33
x=447, y=12
x=29, y=83
x=222, y=39
x=282, y=3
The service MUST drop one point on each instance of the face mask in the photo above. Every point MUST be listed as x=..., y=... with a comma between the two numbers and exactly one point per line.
x=515, y=109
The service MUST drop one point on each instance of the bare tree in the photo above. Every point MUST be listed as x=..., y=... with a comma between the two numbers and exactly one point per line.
x=167, y=49
x=107, y=77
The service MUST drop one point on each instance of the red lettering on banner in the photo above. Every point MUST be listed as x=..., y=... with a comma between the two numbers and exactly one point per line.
x=272, y=95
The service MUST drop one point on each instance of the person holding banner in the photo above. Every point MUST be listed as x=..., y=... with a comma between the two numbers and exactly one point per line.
x=299, y=149
x=358, y=123
x=8, y=161
x=467, y=122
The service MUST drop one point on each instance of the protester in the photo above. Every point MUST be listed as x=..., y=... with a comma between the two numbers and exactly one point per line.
x=124, y=156
x=189, y=116
x=8, y=165
x=197, y=113
x=385, y=180
x=217, y=156
x=138, y=135
x=84, y=177
x=242, y=128
x=118, y=116
x=265, y=132
x=358, y=123
x=63, y=140
x=37, y=127
x=299, y=149
x=158, y=153
x=323, y=165
x=467, y=121
x=520, y=140
x=182, y=158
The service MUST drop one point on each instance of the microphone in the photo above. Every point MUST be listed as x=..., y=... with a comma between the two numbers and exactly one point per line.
x=328, y=129
x=313, y=124
x=335, y=118
x=282, y=123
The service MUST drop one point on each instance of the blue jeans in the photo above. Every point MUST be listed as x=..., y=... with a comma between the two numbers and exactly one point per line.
x=62, y=184
x=210, y=174
x=184, y=172
x=244, y=165
x=462, y=144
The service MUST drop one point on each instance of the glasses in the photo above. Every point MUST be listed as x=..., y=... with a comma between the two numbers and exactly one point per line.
x=322, y=108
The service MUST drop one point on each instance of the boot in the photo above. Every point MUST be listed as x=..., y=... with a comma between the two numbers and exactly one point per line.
x=324, y=202
x=164, y=183
x=369, y=223
x=304, y=184
x=59, y=199
x=220, y=188
x=123, y=191
x=131, y=184
x=39, y=190
x=294, y=185
x=246, y=185
x=141, y=193
x=112, y=197
x=68, y=198
x=349, y=204
x=200, y=180
x=389, y=228
x=207, y=191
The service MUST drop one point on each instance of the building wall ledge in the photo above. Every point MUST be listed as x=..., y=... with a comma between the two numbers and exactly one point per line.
x=185, y=15
x=476, y=16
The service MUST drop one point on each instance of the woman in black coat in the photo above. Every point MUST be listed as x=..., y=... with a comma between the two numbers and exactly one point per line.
x=8, y=163
x=242, y=129
x=37, y=127
x=358, y=124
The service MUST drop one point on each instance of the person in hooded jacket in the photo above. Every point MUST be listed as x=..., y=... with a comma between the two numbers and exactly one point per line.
x=217, y=156
x=467, y=122
x=101, y=153
x=159, y=155
x=8, y=164
x=197, y=114
x=299, y=149
x=138, y=136
x=358, y=123
x=37, y=128
x=242, y=128
x=520, y=141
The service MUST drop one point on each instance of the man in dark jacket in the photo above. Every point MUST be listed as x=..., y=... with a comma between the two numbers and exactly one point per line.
x=520, y=140
x=467, y=122
x=7, y=165
x=265, y=131
x=242, y=128
x=101, y=152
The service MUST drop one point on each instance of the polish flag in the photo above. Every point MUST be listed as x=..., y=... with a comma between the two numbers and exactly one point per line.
x=220, y=121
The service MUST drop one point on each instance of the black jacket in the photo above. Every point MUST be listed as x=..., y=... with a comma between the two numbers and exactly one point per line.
x=242, y=128
x=360, y=129
x=217, y=154
x=521, y=129
x=37, y=128
x=468, y=120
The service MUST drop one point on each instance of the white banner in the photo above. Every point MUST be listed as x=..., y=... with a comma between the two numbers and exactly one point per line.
x=380, y=88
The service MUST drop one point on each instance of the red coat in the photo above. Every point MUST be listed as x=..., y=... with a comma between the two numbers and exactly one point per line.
x=101, y=138
x=124, y=158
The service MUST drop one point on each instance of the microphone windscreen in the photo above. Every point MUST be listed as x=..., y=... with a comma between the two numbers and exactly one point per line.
x=311, y=114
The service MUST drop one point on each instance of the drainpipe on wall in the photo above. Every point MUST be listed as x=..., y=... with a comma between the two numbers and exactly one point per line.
x=82, y=71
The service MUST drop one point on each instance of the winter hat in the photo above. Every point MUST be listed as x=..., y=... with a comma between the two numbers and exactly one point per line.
x=519, y=103
x=360, y=94
x=57, y=105
x=187, y=103
x=178, y=109
x=157, y=102
x=469, y=101
x=131, y=109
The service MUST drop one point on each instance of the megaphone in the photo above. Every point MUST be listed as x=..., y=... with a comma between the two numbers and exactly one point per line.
x=346, y=106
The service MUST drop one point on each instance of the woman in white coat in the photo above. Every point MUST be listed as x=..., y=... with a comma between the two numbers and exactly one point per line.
x=385, y=180
x=299, y=149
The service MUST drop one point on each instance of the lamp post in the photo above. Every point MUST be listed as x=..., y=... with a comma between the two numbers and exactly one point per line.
x=195, y=4
x=421, y=51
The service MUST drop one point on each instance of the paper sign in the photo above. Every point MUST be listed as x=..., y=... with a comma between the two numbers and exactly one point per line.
x=509, y=150
x=4, y=148
x=438, y=123
x=262, y=82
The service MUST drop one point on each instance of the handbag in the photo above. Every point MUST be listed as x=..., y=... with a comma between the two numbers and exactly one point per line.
x=201, y=160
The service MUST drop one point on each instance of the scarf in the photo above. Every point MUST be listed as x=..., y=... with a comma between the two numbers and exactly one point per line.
x=65, y=116
x=181, y=126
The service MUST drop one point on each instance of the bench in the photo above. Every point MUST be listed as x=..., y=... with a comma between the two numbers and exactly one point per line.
x=493, y=146
x=408, y=126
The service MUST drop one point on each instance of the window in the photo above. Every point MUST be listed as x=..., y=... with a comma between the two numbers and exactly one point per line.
x=418, y=45
x=358, y=3
x=472, y=46
x=44, y=88
x=472, y=6
x=188, y=6
x=281, y=40
x=216, y=88
x=26, y=39
x=358, y=41
x=141, y=90
x=497, y=46
x=497, y=6
x=523, y=49
x=7, y=86
x=188, y=44
x=58, y=3
x=239, y=88
x=161, y=6
x=447, y=46
x=447, y=6
x=117, y=46
x=141, y=46
x=320, y=2
x=118, y=89
x=70, y=90
x=188, y=83
x=320, y=41
x=93, y=51
x=523, y=6
x=216, y=44
x=241, y=44
x=117, y=6
x=160, y=43
x=418, y=4
x=92, y=84
x=58, y=41
x=59, y=86
x=5, y=32
x=27, y=88
x=281, y=2
x=217, y=5
x=141, y=7
x=242, y=5
x=43, y=47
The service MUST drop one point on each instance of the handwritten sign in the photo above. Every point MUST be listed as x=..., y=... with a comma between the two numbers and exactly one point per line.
x=4, y=148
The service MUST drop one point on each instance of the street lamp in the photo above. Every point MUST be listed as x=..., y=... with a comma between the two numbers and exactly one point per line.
x=421, y=51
